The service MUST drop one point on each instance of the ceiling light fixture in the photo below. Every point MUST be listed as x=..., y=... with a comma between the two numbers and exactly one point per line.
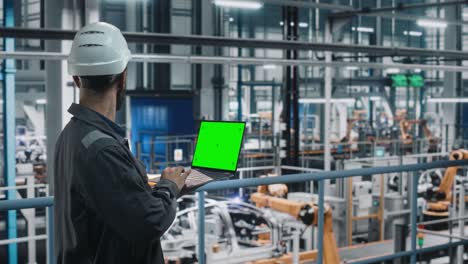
x=269, y=66
x=238, y=4
x=392, y=70
x=431, y=23
x=447, y=100
x=41, y=101
x=352, y=68
x=363, y=29
x=303, y=24
x=413, y=33
x=322, y=100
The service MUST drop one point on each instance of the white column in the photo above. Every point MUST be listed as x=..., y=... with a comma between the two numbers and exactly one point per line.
x=59, y=89
x=207, y=91
x=451, y=41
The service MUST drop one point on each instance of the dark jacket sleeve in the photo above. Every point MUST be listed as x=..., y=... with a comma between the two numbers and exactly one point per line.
x=121, y=198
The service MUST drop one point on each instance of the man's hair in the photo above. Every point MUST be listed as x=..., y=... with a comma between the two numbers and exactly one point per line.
x=100, y=83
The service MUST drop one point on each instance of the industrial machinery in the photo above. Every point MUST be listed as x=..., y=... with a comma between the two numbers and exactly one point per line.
x=440, y=198
x=307, y=214
x=406, y=125
x=235, y=232
x=357, y=116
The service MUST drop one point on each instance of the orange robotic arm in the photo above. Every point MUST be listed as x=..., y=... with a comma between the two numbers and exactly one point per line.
x=445, y=188
x=443, y=195
x=307, y=213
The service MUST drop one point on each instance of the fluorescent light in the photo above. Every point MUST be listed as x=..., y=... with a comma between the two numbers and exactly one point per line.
x=375, y=98
x=41, y=101
x=431, y=23
x=417, y=70
x=303, y=24
x=231, y=19
x=269, y=66
x=392, y=70
x=322, y=100
x=352, y=68
x=413, y=33
x=262, y=88
x=363, y=29
x=281, y=23
x=447, y=100
x=238, y=4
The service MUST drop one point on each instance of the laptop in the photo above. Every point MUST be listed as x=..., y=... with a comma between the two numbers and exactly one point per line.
x=216, y=153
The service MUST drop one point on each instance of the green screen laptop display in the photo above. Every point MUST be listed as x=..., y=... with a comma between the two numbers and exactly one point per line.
x=218, y=145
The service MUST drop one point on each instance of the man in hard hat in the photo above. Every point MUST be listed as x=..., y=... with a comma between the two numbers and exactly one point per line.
x=105, y=211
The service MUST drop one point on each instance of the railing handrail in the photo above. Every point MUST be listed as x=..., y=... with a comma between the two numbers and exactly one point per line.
x=17, y=204
x=328, y=175
x=292, y=178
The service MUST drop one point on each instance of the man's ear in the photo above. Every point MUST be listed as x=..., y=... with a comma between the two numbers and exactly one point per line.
x=123, y=80
x=77, y=81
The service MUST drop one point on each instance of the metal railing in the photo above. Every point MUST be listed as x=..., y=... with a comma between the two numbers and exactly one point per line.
x=320, y=177
x=42, y=202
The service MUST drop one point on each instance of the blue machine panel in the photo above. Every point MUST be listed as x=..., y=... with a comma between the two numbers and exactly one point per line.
x=153, y=117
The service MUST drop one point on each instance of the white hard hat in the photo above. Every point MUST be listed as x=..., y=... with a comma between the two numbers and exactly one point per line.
x=98, y=49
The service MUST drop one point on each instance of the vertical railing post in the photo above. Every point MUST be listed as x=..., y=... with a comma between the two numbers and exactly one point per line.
x=414, y=215
x=321, y=211
x=201, y=227
x=9, y=128
x=241, y=190
x=461, y=222
x=30, y=215
x=50, y=235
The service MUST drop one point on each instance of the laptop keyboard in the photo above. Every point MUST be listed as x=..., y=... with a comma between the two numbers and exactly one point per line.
x=196, y=178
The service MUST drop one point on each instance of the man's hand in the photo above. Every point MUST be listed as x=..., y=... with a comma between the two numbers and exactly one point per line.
x=178, y=175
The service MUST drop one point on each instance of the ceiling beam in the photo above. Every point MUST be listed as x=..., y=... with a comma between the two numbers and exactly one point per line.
x=399, y=7
x=165, y=58
x=197, y=40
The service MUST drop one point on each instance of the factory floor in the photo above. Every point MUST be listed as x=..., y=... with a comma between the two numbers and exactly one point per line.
x=370, y=250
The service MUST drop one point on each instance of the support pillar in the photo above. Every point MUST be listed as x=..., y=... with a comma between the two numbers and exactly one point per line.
x=205, y=94
x=452, y=80
x=9, y=128
x=59, y=85
x=328, y=75
x=291, y=96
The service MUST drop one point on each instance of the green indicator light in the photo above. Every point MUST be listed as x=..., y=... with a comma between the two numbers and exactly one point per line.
x=416, y=80
x=399, y=80
x=420, y=242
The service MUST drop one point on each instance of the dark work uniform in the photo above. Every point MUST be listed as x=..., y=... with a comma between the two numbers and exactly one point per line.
x=105, y=212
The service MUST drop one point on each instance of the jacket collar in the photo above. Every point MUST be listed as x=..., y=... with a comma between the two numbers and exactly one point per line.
x=93, y=118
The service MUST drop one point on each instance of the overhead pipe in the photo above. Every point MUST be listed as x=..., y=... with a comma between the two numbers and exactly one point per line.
x=196, y=40
x=156, y=58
